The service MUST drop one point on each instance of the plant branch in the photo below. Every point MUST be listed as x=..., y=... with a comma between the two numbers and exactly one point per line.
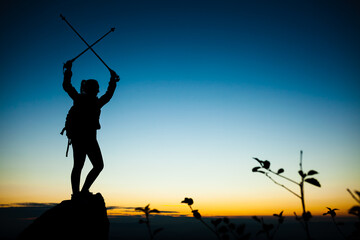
x=353, y=196
x=290, y=180
x=281, y=185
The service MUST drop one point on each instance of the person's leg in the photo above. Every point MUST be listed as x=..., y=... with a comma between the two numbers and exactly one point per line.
x=79, y=160
x=94, y=154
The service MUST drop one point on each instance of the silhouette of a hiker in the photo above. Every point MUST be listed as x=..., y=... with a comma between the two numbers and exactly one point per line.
x=82, y=124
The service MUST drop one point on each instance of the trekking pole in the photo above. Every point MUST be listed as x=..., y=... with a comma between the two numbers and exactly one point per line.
x=111, y=30
x=63, y=18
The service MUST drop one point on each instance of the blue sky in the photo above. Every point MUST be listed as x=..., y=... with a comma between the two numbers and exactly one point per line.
x=205, y=86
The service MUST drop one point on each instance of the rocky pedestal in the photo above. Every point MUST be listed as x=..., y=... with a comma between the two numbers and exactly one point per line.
x=84, y=218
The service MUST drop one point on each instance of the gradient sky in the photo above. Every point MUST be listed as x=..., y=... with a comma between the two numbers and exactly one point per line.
x=205, y=86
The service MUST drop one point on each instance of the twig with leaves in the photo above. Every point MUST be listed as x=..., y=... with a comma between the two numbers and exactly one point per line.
x=265, y=169
x=147, y=212
x=197, y=215
x=222, y=227
x=332, y=214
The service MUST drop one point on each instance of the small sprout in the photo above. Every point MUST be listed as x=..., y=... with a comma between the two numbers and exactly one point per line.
x=147, y=212
x=331, y=212
x=281, y=170
x=280, y=216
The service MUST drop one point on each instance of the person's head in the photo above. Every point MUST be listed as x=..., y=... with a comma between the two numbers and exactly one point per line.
x=89, y=87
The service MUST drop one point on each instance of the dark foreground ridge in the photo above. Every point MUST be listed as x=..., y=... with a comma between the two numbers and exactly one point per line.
x=82, y=218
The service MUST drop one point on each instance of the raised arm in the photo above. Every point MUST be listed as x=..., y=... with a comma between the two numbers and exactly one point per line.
x=68, y=87
x=110, y=90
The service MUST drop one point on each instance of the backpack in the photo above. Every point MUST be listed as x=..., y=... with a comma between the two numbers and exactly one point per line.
x=69, y=126
x=82, y=116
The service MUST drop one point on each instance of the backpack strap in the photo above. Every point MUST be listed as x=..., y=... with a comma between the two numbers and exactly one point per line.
x=67, y=148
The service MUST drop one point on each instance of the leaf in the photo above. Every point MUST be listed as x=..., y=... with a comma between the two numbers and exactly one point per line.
x=188, y=201
x=140, y=209
x=255, y=169
x=301, y=173
x=147, y=208
x=313, y=181
x=278, y=215
x=261, y=172
x=355, y=210
x=358, y=193
x=306, y=216
x=281, y=170
x=312, y=172
x=266, y=164
x=257, y=160
x=157, y=231
x=154, y=211
x=196, y=214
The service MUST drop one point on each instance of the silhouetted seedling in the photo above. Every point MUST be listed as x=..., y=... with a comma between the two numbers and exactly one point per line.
x=268, y=229
x=265, y=169
x=332, y=214
x=147, y=212
x=355, y=210
x=222, y=227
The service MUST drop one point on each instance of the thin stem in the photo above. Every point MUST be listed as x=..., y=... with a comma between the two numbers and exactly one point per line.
x=275, y=231
x=232, y=233
x=301, y=156
x=148, y=227
x=217, y=235
x=290, y=180
x=337, y=227
x=303, y=199
x=297, y=195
